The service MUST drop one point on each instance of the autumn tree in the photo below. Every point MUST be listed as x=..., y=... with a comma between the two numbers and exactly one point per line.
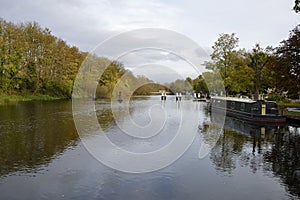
x=34, y=61
x=10, y=57
x=288, y=63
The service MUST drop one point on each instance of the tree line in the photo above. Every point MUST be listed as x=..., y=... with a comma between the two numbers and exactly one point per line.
x=271, y=70
x=33, y=61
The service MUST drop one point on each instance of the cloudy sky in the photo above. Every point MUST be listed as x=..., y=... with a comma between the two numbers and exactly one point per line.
x=86, y=23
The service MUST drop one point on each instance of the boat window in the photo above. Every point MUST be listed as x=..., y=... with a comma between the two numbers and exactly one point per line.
x=242, y=106
x=232, y=105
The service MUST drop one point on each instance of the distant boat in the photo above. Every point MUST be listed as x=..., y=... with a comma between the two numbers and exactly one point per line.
x=259, y=111
x=120, y=100
x=293, y=109
x=201, y=99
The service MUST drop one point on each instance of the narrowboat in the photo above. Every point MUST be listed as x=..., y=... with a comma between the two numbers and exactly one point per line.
x=259, y=111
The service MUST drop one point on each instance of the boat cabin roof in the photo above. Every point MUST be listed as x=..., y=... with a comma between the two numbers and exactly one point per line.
x=244, y=100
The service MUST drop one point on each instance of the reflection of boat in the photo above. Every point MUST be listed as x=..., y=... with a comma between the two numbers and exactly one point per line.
x=248, y=128
x=274, y=149
x=259, y=111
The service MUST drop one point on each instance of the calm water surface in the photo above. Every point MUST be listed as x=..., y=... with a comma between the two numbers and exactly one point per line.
x=41, y=157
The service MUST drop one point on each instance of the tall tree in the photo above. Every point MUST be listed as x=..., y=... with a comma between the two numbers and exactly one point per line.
x=240, y=75
x=297, y=6
x=223, y=52
x=288, y=59
x=32, y=60
x=259, y=58
x=180, y=86
x=223, y=55
x=199, y=85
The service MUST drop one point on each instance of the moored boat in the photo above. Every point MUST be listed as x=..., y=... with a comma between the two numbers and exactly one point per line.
x=200, y=99
x=259, y=111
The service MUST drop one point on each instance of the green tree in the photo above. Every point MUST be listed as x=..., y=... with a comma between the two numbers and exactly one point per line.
x=288, y=63
x=213, y=81
x=223, y=52
x=32, y=60
x=259, y=58
x=199, y=85
x=223, y=55
x=240, y=75
x=180, y=86
x=110, y=77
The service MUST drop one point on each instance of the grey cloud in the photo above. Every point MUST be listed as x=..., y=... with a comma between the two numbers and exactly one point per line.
x=86, y=23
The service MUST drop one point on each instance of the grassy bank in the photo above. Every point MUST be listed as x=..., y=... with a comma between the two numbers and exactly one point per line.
x=10, y=99
x=284, y=105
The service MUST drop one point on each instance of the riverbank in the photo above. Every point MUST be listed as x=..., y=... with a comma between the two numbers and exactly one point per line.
x=11, y=99
x=291, y=117
x=284, y=111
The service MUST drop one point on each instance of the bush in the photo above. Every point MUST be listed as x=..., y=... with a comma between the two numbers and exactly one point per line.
x=58, y=89
x=275, y=95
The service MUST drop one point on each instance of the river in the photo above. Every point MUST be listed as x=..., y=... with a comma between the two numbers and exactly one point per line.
x=42, y=156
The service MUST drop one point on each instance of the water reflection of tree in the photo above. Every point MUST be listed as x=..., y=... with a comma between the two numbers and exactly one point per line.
x=284, y=159
x=105, y=118
x=108, y=113
x=228, y=148
x=33, y=134
x=266, y=149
